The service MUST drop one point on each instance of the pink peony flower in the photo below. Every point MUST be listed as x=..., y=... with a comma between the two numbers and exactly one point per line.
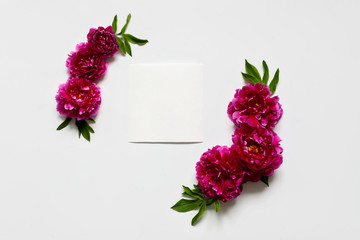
x=84, y=63
x=103, y=41
x=257, y=150
x=253, y=105
x=219, y=174
x=78, y=98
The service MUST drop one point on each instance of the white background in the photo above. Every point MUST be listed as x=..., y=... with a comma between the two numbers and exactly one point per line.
x=56, y=186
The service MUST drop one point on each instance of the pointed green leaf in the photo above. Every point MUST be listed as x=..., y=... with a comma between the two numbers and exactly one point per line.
x=199, y=214
x=79, y=126
x=135, y=40
x=274, y=82
x=85, y=133
x=185, y=205
x=265, y=179
x=114, y=24
x=198, y=190
x=91, y=120
x=127, y=46
x=121, y=45
x=266, y=73
x=251, y=70
x=251, y=79
x=90, y=129
x=126, y=24
x=189, y=192
x=64, y=123
x=217, y=205
x=83, y=130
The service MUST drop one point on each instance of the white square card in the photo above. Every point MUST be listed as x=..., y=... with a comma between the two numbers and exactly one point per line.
x=166, y=102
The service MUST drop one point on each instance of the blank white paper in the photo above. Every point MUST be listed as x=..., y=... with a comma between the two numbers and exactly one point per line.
x=166, y=102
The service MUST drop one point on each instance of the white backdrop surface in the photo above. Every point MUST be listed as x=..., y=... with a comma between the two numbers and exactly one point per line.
x=56, y=186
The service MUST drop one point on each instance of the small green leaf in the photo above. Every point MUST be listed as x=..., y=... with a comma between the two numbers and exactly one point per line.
x=199, y=214
x=266, y=73
x=85, y=133
x=217, y=205
x=114, y=24
x=127, y=46
x=79, y=126
x=64, y=123
x=121, y=44
x=83, y=130
x=274, y=82
x=251, y=79
x=251, y=70
x=185, y=205
x=90, y=129
x=91, y=120
x=135, y=40
x=198, y=190
x=265, y=179
x=189, y=192
x=126, y=24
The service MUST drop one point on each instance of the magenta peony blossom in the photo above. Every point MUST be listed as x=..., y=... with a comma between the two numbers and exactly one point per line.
x=257, y=150
x=84, y=63
x=219, y=174
x=103, y=41
x=78, y=98
x=253, y=105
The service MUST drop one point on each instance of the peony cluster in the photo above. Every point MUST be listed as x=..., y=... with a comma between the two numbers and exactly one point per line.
x=256, y=150
x=79, y=97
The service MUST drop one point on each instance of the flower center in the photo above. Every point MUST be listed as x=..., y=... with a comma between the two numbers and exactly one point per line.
x=253, y=149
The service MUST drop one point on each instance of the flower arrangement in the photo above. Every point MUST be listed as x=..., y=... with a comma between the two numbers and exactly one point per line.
x=254, y=155
x=80, y=97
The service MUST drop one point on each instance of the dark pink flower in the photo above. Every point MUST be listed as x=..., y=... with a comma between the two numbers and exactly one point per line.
x=219, y=174
x=103, y=41
x=253, y=105
x=257, y=150
x=84, y=63
x=78, y=98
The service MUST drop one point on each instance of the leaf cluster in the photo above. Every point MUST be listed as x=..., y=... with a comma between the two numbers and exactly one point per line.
x=83, y=126
x=252, y=75
x=195, y=199
x=124, y=39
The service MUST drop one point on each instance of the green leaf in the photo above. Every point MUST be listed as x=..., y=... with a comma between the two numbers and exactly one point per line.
x=274, y=82
x=198, y=190
x=64, y=123
x=126, y=24
x=90, y=129
x=251, y=70
x=114, y=24
x=91, y=120
x=250, y=78
x=78, y=125
x=217, y=205
x=185, y=205
x=265, y=179
x=127, y=46
x=85, y=133
x=190, y=193
x=266, y=73
x=83, y=130
x=121, y=44
x=135, y=40
x=199, y=214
